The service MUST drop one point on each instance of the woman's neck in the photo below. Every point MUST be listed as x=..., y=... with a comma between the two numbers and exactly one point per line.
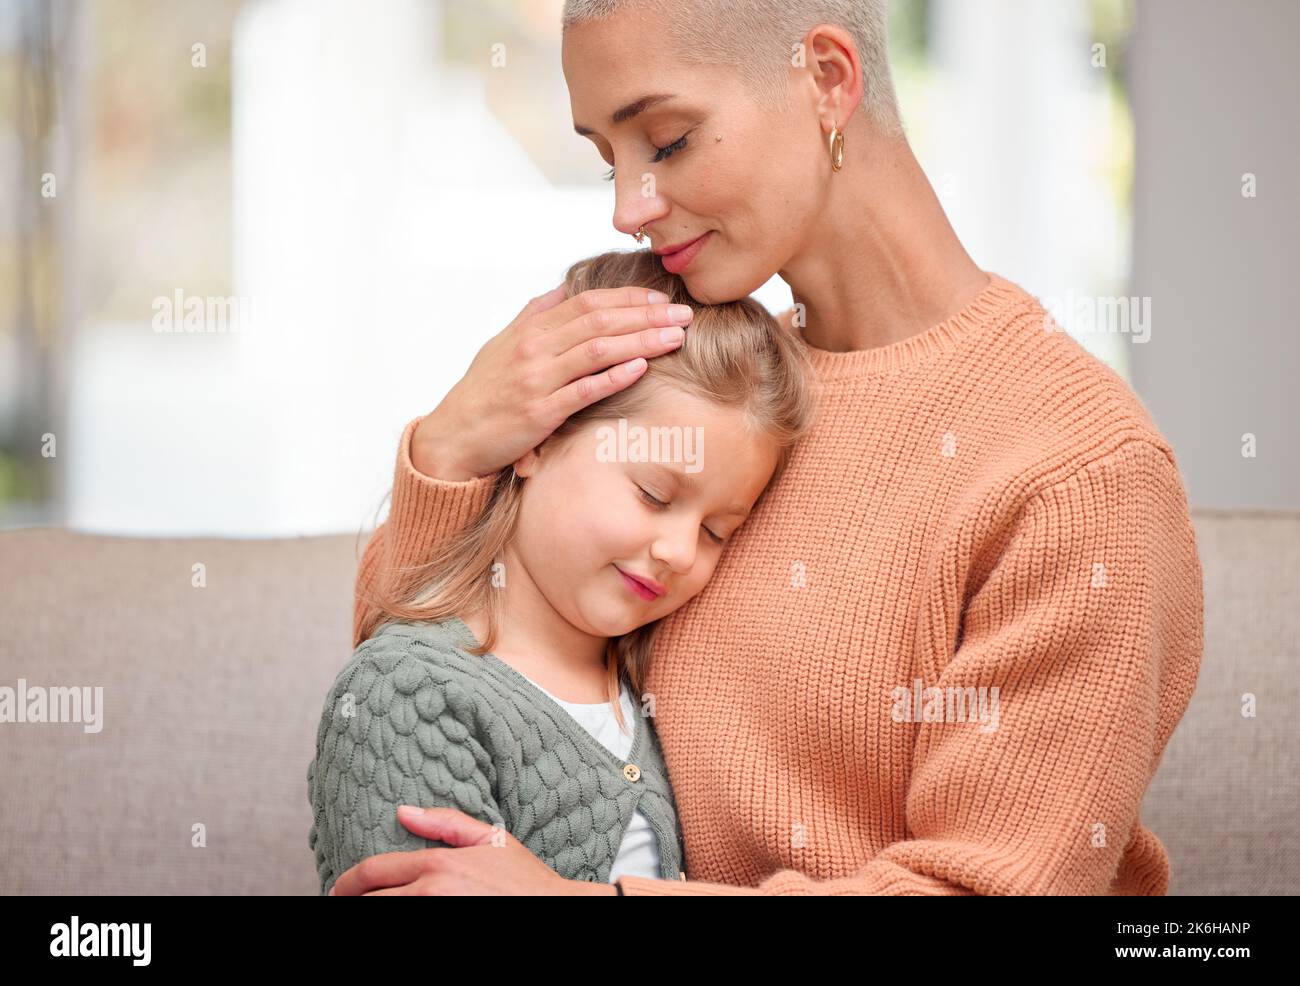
x=885, y=264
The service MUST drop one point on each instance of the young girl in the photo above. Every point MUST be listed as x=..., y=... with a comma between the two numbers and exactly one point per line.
x=505, y=678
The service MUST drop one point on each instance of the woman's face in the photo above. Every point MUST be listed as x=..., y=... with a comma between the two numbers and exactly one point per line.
x=757, y=192
x=587, y=515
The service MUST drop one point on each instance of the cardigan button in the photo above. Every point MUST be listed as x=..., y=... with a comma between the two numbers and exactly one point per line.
x=632, y=772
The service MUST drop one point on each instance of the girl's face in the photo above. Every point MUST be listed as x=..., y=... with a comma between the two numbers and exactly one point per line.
x=588, y=513
x=758, y=192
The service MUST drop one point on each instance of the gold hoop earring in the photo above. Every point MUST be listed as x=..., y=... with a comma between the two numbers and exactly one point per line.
x=836, y=146
x=639, y=235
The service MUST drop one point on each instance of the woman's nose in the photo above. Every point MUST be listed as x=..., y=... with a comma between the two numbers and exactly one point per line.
x=635, y=204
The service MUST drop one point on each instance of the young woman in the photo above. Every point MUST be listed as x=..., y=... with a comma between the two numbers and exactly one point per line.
x=615, y=521
x=984, y=517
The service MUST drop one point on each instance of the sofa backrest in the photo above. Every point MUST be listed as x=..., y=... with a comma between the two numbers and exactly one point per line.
x=1225, y=799
x=197, y=781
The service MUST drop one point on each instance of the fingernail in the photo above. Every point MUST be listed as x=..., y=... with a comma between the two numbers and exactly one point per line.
x=635, y=366
x=656, y=297
x=409, y=809
x=675, y=334
x=679, y=311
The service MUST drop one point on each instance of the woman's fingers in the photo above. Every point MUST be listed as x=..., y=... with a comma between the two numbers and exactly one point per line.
x=591, y=343
x=595, y=299
x=390, y=869
x=558, y=355
x=603, y=352
x=607, y=324
x=589, y=389
x=605, y=331
x=604, y=346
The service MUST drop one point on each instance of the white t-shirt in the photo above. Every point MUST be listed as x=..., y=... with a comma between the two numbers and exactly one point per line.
x=638, y=853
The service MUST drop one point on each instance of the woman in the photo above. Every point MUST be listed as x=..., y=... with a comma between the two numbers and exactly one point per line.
x=947, y=651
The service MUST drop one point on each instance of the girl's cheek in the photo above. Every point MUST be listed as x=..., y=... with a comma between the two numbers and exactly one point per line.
x=704, y=572
x=618, y=531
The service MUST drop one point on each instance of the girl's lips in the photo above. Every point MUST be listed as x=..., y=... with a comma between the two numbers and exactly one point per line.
x=639, y=588
x=677, y=262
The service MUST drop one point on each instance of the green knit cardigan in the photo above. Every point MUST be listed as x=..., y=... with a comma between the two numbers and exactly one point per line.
x=413, y=718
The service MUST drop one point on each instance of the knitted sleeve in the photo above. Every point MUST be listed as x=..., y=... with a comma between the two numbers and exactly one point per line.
x=424, y=510
x=1087, y=626
x=391, y=733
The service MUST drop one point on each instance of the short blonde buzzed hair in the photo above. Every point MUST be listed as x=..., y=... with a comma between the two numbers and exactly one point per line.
x=757, y=37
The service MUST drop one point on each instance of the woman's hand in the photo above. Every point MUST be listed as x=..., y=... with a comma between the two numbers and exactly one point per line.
x=558, y=355
x=483, y=860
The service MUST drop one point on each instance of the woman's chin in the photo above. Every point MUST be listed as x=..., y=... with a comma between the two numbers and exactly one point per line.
x=709, y=286
x=703, y=289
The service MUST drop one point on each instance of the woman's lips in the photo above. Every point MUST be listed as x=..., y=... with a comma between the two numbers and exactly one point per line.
x=677, y=262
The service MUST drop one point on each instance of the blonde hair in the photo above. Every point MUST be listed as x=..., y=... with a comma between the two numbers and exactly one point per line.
x=757, y=38
x=735, y=355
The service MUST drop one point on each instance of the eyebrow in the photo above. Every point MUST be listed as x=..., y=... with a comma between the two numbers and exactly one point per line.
x=625, y=113
x=689, y=483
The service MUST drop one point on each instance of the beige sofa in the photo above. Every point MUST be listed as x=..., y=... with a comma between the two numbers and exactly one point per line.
x=196, y=783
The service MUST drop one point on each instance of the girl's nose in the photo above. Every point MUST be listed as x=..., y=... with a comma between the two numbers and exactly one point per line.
x=676, y=550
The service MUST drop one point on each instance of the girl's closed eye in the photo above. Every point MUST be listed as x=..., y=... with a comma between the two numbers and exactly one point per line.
x=654, y=502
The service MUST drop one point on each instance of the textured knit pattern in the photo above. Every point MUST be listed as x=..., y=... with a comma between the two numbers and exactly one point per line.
x=415, y=719
x=982, y=504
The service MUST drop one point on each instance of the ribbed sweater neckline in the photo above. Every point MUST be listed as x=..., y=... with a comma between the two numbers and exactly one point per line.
x=986, y=309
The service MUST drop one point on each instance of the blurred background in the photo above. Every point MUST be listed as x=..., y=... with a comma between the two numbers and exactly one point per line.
x=243, y=242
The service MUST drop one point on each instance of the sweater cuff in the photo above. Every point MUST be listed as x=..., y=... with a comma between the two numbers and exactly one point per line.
x=424, y=505
x=644, y=886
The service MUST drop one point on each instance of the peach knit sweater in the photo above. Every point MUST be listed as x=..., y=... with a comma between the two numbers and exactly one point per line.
x=980, y=505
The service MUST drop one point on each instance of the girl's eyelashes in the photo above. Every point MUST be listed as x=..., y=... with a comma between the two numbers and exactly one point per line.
x=647, y=498
x=650, y=499
x=660, y=153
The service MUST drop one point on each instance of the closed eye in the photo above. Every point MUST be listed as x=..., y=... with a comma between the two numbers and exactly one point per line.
x=660, y=153
x=657, y=504
x=650, y=499
x=677, y=145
